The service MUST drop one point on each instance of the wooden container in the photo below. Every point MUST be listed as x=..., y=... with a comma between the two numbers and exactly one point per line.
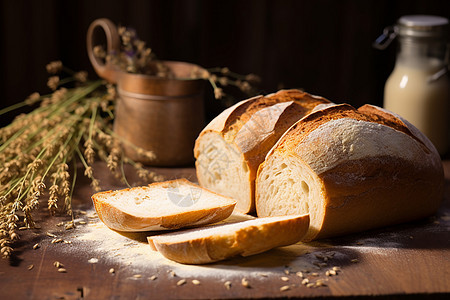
x=163, y=115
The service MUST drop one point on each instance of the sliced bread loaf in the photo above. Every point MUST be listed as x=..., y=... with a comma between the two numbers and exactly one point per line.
x=231, y=147
x=351, y=170
x=164, y=205
x=219, y=242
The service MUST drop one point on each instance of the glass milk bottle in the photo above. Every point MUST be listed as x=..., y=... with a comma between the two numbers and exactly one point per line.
x=418, y=88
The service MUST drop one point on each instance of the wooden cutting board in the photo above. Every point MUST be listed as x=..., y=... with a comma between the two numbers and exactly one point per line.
x=410, y=260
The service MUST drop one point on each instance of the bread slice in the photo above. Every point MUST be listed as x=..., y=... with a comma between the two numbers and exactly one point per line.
x=351, y=170
x=231, y=147
x=159, y=206
x=215, y=243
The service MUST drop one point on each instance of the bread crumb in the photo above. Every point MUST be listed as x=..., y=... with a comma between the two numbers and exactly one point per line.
x=153, y=277
x=137, y=276
x=36, y=246
x=195, y=282
x=62, y=270
x=30, y=267
x=58, y=264
x=284, y=278
x=305, y=281
x=93, y=260
x=112, y=271
x=299, y=274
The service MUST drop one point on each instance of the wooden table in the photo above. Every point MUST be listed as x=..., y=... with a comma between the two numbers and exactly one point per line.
x=409, y=260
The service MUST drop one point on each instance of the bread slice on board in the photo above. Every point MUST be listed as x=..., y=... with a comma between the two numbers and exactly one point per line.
x=231, y=147
x=351, y=170
x=159, y=206
x=219, y=242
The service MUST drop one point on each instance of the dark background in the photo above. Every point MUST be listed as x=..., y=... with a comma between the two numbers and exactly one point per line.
x=321, y=46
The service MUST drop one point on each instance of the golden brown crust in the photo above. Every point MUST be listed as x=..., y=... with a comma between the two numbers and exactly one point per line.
x=117, y=219
x=378, y=191
x=301, y=104
x=376, y=168
x=249, y=240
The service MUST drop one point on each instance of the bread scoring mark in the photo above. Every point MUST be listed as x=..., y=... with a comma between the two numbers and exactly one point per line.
x=260, y=126
x=225, y=117
x=243, y=113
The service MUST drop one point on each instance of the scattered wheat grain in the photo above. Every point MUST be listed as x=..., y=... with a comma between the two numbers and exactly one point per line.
x=227, y=285
x=245, y=282
x=285, y=288
x=181, y=282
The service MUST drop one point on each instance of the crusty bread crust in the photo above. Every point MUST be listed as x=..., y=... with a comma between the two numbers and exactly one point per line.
x=221, y=243
x=371, y=167
x=116, y=218
x=252, y=127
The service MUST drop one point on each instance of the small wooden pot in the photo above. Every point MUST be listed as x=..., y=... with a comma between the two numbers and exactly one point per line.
x=162, y=115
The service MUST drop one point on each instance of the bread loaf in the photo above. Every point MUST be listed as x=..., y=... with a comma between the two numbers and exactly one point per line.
x=160, y=206
x=214, y=243
x=351, y=170
x=230, y=149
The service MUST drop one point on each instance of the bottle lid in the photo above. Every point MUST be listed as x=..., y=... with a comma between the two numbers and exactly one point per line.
x=423, y=26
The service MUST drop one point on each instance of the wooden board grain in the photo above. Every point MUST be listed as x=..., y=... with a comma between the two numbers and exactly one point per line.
x=409, y=260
